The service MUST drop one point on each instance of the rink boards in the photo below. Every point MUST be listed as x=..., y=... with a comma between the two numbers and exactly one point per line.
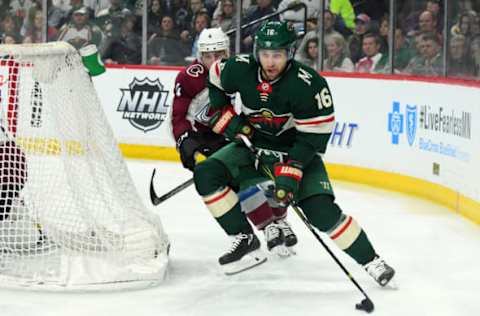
x=417, y=136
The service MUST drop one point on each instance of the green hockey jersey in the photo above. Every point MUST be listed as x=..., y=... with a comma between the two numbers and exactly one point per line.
x=292, y=114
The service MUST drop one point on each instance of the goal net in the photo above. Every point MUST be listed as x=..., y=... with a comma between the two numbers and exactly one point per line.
x=70, y=216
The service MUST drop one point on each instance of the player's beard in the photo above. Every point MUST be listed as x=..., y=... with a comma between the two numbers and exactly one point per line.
x=273, y=74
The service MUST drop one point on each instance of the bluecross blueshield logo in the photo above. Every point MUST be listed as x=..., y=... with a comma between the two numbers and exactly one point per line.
x=411, y=123
x=396, y=120
x=395, y=123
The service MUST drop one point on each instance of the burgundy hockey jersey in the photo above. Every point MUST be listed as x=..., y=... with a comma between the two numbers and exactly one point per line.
x=190, y=102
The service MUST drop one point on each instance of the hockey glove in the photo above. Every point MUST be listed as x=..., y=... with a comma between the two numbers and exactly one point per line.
x=287, y=180
x=188, y=144
x=230, y=124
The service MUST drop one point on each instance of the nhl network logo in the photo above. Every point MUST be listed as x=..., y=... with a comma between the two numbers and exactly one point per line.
x=144, y=104
x=396, y=119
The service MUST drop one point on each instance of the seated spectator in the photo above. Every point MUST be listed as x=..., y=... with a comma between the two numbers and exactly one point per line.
x=329, y=20
x=417, y=43
x=383, y=32
x=337, y=55
x=34, y=31
x=460, y=63
x=71, y=7
x=411, y=20
x=80, y=32
x=201, y=21
x=403, y=52
x=110, y=19
x=430, y=62
x=475, y=56
x=254, y=12
x=328, y=25
x=224, y=16
x=475, y=26
x=9, y=38
x=435, y=6
x=185, y=18
x=312, y=24
x=168, y=29
x=165, y=47
x=427, y=23
x=126, y=49
x=355, y=41
x=417, y=46
x=154, y=17
x=55, y=15
x=307, y=53
x=463, y=25
x=374, y=60
x=9, y=26
x=19, y=10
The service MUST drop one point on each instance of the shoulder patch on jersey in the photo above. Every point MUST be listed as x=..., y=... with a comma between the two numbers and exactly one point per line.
x=305, y=76
x=195, y=70
x=215, y=74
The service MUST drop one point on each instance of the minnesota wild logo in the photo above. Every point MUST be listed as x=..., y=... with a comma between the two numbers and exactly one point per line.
x=268, y=121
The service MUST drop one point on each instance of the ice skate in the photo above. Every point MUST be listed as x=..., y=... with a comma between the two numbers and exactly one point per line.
x=276, y=240
x=288, y=234
x=380, y=271
x=244, y=254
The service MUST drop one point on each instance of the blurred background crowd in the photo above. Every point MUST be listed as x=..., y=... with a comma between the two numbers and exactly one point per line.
x=416, y=37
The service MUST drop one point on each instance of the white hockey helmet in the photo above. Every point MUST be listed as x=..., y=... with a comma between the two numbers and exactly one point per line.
x=212, y=40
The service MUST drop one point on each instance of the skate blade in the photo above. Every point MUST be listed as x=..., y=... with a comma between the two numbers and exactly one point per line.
x=283, y=251
x=392, y=285
x=249, y=261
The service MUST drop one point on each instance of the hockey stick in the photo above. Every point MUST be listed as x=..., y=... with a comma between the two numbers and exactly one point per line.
x=366, y=304
x=159, y=199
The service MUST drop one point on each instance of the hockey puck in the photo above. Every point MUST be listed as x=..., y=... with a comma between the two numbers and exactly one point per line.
x=365, y=305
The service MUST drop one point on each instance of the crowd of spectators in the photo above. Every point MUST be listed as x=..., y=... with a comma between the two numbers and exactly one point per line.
x=356, y=32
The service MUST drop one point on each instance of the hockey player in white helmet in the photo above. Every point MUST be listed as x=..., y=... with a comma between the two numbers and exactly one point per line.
x=192, y=133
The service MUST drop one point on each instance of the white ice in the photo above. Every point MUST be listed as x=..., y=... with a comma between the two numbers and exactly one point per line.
x=435, y=252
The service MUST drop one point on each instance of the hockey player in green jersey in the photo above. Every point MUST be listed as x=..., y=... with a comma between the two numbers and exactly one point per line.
x=288, y=115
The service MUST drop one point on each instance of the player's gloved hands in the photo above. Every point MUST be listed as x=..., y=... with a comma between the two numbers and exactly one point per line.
x=230, y=124
x=287, y=180
x=188, y=144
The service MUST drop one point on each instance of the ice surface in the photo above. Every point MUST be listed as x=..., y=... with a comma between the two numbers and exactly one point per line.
x=436, y=254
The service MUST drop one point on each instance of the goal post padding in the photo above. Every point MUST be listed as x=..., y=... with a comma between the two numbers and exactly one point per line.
x=71, y=218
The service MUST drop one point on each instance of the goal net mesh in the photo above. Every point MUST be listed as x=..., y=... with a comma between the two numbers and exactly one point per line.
x=70, y=216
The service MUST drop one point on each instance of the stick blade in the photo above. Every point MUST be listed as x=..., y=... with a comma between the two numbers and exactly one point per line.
x=153, y=194
x=365, y=305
